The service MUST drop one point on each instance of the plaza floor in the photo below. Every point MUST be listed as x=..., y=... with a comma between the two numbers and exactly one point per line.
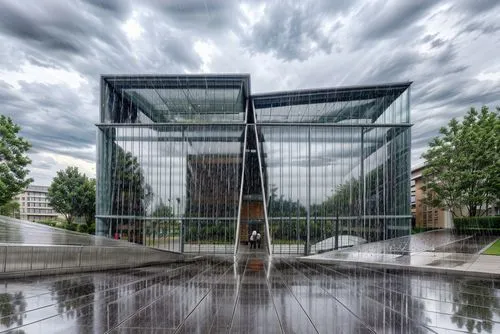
x=251, y=294
x=440, y=251
x=435, y=282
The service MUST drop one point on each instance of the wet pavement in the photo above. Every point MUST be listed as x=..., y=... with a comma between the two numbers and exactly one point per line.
x=435, y=251
x=424, y=242
x=31, y=249
x=15, y=232
x=251, y=295
x=469, y=245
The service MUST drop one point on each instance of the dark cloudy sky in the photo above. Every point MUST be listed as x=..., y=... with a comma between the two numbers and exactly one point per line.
x=53, y=52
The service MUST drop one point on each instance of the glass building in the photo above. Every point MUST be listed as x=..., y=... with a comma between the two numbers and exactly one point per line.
x=194, y=163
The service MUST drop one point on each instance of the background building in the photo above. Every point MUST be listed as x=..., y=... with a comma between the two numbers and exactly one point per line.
x=300, y=166
x=34, y=204
x=425, y=215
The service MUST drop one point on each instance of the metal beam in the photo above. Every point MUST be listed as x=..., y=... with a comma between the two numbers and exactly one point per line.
x=264, y=200
x=240, y=201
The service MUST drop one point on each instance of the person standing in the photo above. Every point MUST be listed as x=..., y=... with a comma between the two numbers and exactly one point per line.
x=253, y=239
x=258, y=237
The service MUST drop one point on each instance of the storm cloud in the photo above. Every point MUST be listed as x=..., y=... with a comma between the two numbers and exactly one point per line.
x=53, y=53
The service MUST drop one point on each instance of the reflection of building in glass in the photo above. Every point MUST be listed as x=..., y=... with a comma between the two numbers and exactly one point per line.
x=300, y=166
x=212, y=188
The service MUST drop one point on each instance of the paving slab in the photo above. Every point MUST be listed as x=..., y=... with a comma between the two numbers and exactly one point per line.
x=435, y=251
x=251, y=293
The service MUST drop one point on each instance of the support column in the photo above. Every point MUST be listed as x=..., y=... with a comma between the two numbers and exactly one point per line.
x=308, y=222
x=104, y=195
x=240, y=200
x=264, y=200
x=361, y=207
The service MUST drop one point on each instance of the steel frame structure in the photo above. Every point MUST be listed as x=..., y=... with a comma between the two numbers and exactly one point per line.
x=182, y=160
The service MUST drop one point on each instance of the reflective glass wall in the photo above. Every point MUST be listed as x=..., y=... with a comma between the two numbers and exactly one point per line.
x=195, y=163
x=337, y=166
x=169, y=160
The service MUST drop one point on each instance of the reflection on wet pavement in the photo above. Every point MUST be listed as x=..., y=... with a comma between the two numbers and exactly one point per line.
x=20, y=232
x=441, y=250
x=438, y=240
x=252, y=294
x=471, y=245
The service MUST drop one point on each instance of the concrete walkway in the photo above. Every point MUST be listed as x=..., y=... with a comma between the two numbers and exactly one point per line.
x=251, y=293
x=421, y=252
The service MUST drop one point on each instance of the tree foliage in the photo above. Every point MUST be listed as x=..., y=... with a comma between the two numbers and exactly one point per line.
x=73, y=194
x=282, y=207
x=131, y=194
x=13, y=160
x=10, y=209
x=463, y=164
x=163, y=210
x=88, y=205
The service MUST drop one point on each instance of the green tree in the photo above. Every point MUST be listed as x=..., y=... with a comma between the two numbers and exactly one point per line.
x=10, y=209
x=163, y=210
x=282, y=207
x=463, y=163
x=71, y=193
x=131, y=194
x=88, y=205
x=13, y=160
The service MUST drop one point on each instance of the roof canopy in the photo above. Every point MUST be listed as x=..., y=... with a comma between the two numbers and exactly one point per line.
x=180, y=98
x=330, y=105
x=218, y=98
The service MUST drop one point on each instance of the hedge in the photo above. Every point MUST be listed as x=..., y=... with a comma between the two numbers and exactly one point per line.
x=52, y=223
x=490, y=224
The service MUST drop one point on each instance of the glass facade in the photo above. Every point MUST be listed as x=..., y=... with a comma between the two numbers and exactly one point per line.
x=194, y=163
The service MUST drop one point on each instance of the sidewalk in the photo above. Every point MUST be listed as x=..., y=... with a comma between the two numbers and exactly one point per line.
x=428, y=256
x=487, y=265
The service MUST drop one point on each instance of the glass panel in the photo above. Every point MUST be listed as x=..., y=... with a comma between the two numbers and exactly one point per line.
x=286, y=162
x=170, y=162
x=355, y=105
x=175, y=99
x=353, y=181
x=159, y=183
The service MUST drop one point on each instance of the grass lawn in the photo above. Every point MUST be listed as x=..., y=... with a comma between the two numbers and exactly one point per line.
x=493, y=249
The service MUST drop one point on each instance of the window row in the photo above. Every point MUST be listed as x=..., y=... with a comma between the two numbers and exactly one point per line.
x=36, y=199
x=46, y=211
x=38, y=205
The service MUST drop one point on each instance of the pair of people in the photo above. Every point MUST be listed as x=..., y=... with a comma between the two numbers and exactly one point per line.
x=255, y=239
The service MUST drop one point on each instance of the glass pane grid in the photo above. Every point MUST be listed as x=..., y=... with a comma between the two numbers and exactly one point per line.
x=325, y=169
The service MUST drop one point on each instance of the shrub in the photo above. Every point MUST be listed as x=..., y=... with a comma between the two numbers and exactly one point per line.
x=83, y=228
x=489, y=225
x=52, y=223
x=70, y=226
x=91, y=228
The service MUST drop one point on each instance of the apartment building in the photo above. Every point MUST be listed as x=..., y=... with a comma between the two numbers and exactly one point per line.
x=34, y=204
x=424, y=215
